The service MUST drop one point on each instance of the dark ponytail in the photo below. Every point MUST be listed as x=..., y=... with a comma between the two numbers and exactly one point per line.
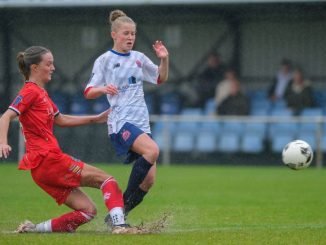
x=32, y=55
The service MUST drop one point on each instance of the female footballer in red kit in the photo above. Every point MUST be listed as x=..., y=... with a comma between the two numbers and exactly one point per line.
x=58, y=174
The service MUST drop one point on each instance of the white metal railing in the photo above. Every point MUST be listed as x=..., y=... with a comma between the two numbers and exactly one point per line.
x=165, y=119
x=319, y=120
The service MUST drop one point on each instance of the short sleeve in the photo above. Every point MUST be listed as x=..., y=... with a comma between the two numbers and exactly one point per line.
x=55, y=108
x=97, y=76
x=23, y=100
x=150, y=71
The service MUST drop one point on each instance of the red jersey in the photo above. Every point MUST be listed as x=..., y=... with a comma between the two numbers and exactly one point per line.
x=36, y=115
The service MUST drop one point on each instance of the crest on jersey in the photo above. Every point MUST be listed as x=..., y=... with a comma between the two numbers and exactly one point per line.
x=138, y=63
x=116, y=65
x=17, y=100
x=125, y=135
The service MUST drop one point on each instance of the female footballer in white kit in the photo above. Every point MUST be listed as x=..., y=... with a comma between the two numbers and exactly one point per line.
x=119, y=74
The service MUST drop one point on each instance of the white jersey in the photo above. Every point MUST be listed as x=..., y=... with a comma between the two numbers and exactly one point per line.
x=127, y=72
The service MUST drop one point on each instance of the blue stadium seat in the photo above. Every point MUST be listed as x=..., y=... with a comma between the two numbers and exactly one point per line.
x=206, y=142
x=256, y=111
x=79, y=105
x=229, y=142
x=310, y=126
x=101, y=104
x=211, y=127
x=310, y=138
x=61, y=100
x=170, y=103
x=320, y=98
x=279, y=141
x=150, y=102
x=260, y=105
x=183, y=142
x=259, y=94
x=323, y=141
x=285, y=112
x=279, y=104
x=159, y=138
x=158, y=133
x=188, y=127
x=252, y=143
x=287, y=128
x=192, y=111
x=210, y=107
x=283, y=128
x=159, y=127
x=312, y=112
x=256, y=128
x=233, y=127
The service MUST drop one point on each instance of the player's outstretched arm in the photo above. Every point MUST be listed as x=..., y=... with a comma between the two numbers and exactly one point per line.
x=63, y=120
x=163, y=54
x=4, y=127
x=96, y=92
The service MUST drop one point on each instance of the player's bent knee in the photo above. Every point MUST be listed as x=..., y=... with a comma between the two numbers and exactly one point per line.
x=153, y=153
x=94, y=177
x=156, y=152
x=90, y=212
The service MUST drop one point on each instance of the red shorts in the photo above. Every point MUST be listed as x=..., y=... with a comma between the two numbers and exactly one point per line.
x=58, y=174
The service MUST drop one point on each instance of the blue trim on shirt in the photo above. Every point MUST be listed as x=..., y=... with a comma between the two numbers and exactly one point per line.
x=120, y=54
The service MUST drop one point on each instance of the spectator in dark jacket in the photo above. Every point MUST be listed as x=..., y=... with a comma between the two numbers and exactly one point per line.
x=299, y=94
x=236, y=103
x=207, y=80
x=281, y=81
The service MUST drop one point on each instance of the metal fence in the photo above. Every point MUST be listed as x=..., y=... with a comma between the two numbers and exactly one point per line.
x=91, y=143
x=319, y=135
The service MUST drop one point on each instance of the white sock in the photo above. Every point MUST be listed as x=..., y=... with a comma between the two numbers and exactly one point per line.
x=44, y=227
x=117, y=216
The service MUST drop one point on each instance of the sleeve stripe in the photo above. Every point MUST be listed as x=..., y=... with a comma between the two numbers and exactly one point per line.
x=87, y=90
x=14, y=109
x=159, y=81
x=57, y=113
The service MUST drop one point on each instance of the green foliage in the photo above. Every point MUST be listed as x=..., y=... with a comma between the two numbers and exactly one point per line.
x=205, y=204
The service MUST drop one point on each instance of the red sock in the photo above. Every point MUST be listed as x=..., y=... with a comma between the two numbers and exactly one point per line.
x=112, y=194
x=70, y=222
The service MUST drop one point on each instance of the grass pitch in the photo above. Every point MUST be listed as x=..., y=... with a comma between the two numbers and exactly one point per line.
x=205, y=204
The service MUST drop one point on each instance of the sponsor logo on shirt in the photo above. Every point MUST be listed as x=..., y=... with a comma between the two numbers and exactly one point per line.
x=17, y=100
x=128, y=86
x=132, y=80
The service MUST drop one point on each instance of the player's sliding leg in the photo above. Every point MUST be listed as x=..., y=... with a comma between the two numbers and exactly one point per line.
x=85, y=211
x=113, y=201
x=143, y=173
x=112, y=195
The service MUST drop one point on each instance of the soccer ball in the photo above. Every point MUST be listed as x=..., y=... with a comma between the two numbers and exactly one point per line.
x=297, y=154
